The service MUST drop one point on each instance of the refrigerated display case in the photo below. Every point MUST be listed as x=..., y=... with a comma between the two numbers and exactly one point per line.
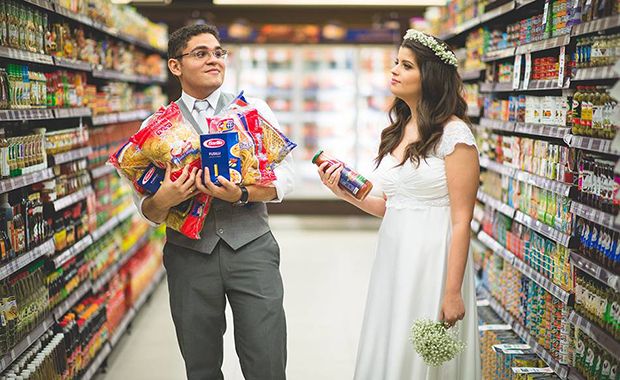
x=325, y=97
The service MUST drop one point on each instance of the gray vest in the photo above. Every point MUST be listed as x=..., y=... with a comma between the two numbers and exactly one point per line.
x=237, y=226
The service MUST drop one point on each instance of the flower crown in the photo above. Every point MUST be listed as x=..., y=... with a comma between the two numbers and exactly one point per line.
x=430, y=42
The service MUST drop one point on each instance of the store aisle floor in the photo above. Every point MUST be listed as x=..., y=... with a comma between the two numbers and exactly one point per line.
x=325, y=264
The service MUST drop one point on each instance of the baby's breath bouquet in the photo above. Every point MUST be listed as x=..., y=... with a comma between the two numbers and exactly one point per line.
x=435, y=342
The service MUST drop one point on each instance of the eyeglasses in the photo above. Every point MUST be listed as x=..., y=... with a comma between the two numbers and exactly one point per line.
x=202, y=54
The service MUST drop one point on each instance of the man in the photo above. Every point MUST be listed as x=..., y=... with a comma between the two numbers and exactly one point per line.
x=237, y=257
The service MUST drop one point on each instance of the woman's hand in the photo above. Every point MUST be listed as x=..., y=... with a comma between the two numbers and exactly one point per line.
x=330, y=175
x=452, y=309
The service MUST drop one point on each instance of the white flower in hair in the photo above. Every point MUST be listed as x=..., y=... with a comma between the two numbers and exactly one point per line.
x=439, y=49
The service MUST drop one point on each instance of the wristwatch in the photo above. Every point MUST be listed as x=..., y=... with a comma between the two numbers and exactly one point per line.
x=244, y=197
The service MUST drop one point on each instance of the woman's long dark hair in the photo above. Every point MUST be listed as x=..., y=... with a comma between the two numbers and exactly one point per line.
x=441, y=98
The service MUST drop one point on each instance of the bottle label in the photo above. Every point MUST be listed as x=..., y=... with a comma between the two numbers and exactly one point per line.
x=351, y=181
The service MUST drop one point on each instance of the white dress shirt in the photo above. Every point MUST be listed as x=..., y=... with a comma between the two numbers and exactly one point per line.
x=285, y=181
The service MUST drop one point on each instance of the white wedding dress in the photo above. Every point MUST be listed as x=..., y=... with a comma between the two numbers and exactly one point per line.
x=409, y=272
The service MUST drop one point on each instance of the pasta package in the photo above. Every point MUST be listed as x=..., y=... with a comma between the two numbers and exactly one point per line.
x=190, y=220
x=169, y=138
x=130, y=163
x=230, y=122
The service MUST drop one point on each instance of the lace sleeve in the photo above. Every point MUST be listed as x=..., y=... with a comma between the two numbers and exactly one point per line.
x=453, y=134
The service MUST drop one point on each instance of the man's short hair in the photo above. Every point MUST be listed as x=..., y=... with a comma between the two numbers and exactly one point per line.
x=179, y=38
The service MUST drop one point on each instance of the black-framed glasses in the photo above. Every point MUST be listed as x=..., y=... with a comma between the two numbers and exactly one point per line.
x=202, y=54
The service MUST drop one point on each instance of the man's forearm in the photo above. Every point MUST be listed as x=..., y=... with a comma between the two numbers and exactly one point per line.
x=261, y=193
x=153, y=210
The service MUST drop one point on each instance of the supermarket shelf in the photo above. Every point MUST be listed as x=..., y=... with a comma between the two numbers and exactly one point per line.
x=573, y=374
x=559, y=369
x=596, y=73
x=117, y=75
x=549, y=43
x=496, y=204
x=548, y=84
x=65, y=113
x=498, y=54
x=73, y=64
x=524, y=268
x=114, y=268
x=120, y=117
x=149, y=290
x=499, y=125
x=473, y=111
x=550, y=232
x=542, y=130
x=596, y=25
x=101, y=171
x=596, y=271
x=470, y=75
x=70, y=199
x=22, y=346
x=26, y=56
x=73, y=298
x=27, y=114
x=112, y=223
x=24, y=259
x=594, y=215
x=25, y=180
x=46, y=4
x=97, y=362
x=544, y=183
x=96, y=25
x=479, y=20
x=592, y=144
x=72, y=155
x=73, y=251
x=122, y=327
x=596, y=333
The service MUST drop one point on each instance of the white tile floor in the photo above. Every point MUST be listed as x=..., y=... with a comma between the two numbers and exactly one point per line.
x=325, y=263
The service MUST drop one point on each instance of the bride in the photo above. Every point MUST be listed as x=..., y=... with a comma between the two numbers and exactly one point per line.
x=427, y=167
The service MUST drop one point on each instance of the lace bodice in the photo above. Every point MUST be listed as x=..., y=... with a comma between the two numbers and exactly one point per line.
x=409, y=186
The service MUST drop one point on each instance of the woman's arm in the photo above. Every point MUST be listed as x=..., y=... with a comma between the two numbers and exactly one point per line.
x=463, y=176
x=329, y=176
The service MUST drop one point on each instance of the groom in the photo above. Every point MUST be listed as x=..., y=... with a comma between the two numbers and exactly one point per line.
x=237, y=257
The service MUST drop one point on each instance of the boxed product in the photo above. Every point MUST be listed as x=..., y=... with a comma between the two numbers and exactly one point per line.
x=220, y=153
x=533, y=109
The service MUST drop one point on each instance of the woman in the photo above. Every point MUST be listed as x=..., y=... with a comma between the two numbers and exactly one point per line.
x=428, y=169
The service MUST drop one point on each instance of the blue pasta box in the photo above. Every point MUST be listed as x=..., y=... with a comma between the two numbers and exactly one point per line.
x=220, y=153
x=152, y=178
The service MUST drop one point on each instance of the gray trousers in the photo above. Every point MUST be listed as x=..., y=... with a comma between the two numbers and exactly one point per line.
x=250, y=278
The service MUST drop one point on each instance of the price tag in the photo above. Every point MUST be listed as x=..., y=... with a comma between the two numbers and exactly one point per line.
x=545, y=14
x=494, y=328
x=528, y=70
x=561, y=64
x=524, y=370
x=484, y=302
x=516, y=78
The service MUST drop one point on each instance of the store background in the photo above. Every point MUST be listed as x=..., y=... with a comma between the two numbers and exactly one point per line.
x=78, y=77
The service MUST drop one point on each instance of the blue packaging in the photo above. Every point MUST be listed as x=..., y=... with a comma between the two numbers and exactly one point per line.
x=220, y=153
x=152, y=178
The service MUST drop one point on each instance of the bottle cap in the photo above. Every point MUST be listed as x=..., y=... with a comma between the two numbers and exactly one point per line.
x=316, y=156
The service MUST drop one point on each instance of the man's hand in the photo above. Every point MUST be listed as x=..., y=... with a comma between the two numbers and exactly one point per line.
x=228, y=192
x=171, y=193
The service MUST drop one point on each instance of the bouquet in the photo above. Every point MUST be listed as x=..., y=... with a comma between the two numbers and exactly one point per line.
x=435, y=342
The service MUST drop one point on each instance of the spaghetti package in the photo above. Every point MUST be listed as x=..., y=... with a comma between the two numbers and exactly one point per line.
x=169, y=138
x=166, y=138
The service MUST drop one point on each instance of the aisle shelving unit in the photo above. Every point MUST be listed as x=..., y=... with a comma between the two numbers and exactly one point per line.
x=98, y=230
x=581, y=264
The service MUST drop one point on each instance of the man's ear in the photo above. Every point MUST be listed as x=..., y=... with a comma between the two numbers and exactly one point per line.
x=174, y=65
